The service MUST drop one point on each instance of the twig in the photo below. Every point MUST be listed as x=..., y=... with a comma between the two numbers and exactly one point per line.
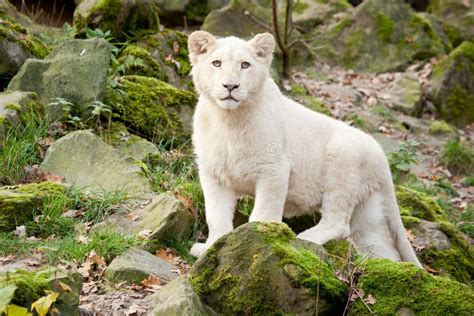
x=257, y=21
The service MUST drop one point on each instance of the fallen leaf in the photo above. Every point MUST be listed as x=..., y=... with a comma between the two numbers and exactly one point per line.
x=44, y=303
x=145, y=233
x=151, y=281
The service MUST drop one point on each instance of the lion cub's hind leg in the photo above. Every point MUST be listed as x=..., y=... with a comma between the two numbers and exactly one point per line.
x=336, y=213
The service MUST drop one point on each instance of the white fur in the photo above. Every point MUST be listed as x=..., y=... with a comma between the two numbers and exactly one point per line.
x=293, y=160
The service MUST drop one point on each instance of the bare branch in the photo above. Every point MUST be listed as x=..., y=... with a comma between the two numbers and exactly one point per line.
x=257, y=21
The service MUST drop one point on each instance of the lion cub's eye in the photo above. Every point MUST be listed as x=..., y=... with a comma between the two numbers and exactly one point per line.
x=216, y=63
x=245, y=65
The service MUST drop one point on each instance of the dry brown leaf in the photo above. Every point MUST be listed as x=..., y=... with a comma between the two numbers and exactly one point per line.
x=132, y=216
x=152, y=281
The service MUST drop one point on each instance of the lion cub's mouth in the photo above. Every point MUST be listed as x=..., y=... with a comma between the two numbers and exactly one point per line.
x=230, y=97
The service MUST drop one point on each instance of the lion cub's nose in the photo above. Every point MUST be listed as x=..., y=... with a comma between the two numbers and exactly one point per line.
x=231, y=87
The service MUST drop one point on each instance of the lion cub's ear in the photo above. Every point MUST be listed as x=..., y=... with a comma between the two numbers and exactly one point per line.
x=264, y=45
x=199, y=42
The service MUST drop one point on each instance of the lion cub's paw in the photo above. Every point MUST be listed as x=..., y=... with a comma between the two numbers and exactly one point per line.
x=198, y=249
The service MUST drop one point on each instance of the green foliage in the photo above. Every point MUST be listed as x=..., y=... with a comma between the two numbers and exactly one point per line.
x=107, y=244
x=401, y=160
x=21, y=147
x=458, y=157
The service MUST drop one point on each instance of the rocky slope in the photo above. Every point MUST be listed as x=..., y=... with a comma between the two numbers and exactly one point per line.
x=99, y=193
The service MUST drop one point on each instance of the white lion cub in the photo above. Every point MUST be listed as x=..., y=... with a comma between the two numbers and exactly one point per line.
x=250, y=139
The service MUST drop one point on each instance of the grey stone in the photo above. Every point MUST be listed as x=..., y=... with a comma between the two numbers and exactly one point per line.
x=162, y=217
x=75, y=70
x=428, y=235
x=178, y=298
x=135, y=265
x=86, y=161
x=406, y=94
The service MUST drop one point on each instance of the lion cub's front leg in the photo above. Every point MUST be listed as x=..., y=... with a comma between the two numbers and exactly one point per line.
x=270, y=199
x=220, y=203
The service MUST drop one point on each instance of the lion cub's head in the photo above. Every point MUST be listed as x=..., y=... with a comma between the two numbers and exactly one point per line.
x=229, y=70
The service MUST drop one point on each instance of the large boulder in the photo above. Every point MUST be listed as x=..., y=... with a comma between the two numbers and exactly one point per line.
x=75, y=70
x=439, y=244
x=403, y=289
x=179, y=298
x=153, y=108
x=25, y=287
x=18, y=205
x=453, y=85
x=123, y=18
x=16, y=46
x=377, y=36
x=135, y=265
x=457, y=18
x=260, y=268
x=86, y=161
x=14, y=107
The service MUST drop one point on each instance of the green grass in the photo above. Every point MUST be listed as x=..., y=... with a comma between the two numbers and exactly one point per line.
x=106, y=244
x=21, y=148
x=458, y=157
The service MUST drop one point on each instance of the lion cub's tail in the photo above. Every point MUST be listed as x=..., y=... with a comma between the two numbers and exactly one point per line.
x=397, y=230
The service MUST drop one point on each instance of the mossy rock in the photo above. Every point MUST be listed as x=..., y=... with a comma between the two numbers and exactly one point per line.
x=377, y=36
x=453, y=86
x=76, y=70
x=195, y=11
x=32, y=285
x=441, y=128
x=13, y=108
x=457, y=259
x=399, y=285
x=19, y=204
x=136, y=60
x=260, y=268
x=418, y=204
x=153, y=108
x=407, y=94
x=308, y=14
x=122, y=18
x=457, y=17
x=17, y=44
x=169, y=50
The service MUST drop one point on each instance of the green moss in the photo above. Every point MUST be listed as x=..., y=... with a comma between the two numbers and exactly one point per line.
x=384, y=26
x=418, y=204
x=10, y=29
x=145, y=107
x=18, y=205
x=409, y=221
x=306, y=269
x=402, y=285
x=135, y=60
x=30, y=286
x=440, y=127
